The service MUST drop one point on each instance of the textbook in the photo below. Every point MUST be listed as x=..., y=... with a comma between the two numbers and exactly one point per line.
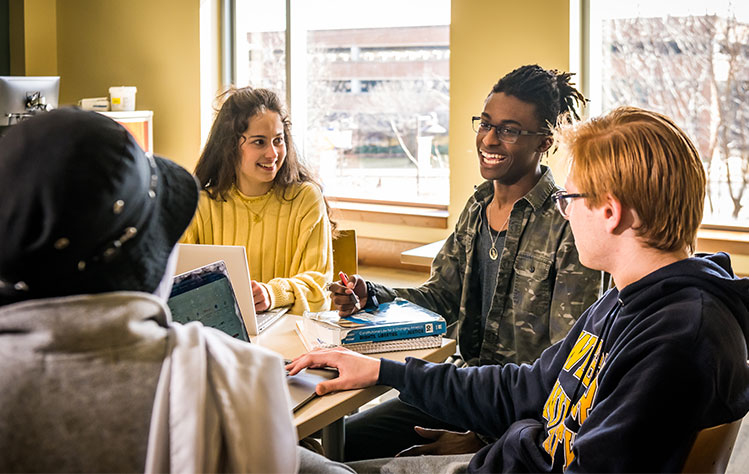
x=426, y=342
x=393, y=321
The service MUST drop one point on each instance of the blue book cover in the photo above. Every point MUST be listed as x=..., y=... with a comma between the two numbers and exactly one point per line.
x=398, y=319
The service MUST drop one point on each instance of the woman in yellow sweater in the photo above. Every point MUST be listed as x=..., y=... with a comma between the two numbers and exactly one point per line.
x=258, y=194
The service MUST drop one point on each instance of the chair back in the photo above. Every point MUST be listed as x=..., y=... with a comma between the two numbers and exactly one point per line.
x=712, y=448
x=345, y=254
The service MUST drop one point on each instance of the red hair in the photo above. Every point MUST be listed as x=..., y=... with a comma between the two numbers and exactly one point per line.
x=649, y=164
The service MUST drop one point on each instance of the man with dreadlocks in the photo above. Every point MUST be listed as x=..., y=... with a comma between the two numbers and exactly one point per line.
x=509, y=274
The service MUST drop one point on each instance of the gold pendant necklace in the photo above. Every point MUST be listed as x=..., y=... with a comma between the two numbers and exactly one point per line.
x=493, y=253
x=257, y=216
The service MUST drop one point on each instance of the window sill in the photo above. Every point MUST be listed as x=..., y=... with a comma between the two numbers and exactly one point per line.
x=399, y=214
x=733, y=241
x=726, y=240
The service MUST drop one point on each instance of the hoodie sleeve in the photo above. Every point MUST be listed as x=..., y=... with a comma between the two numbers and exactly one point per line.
x=485, y=399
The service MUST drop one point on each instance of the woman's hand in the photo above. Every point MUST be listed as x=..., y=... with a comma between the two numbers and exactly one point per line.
x=260, y=296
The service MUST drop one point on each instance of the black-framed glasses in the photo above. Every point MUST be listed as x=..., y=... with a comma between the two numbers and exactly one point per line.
x=504, y=133
x=563, y=199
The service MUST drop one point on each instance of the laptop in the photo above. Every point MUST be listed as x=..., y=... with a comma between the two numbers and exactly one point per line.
x=205, y=294
x=191, y=256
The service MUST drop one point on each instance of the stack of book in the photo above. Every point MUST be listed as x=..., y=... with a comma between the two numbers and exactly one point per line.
x=394, y=326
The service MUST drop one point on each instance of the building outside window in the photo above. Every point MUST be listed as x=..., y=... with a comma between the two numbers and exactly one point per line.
x=368, y=85
x=688, y=59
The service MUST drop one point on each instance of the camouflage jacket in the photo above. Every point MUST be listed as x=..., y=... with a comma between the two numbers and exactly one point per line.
x=541, y=289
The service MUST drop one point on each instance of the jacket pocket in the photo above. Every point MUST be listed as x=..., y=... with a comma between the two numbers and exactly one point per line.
x=531, y=302
x=532, y=286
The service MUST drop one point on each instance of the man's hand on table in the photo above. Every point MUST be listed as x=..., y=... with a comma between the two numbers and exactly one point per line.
x=444, y=442
x=354, y=370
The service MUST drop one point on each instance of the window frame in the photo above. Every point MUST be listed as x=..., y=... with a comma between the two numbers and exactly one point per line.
x=582, y=59
x=415, y=213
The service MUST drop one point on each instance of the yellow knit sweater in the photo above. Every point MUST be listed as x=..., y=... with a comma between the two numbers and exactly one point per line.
x=288, y=241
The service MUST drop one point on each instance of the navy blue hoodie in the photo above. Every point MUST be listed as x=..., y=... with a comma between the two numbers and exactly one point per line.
x=645, y=369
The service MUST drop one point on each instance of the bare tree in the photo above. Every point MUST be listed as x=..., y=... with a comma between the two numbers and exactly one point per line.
x=733, y=109
x=689, y=68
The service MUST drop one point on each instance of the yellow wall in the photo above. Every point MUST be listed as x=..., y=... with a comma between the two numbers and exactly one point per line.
x=153, y=45
x=40, y=36
x=740, y=264
x=488, y=38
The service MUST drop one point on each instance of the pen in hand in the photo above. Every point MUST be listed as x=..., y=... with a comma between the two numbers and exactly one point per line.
x=344, y=281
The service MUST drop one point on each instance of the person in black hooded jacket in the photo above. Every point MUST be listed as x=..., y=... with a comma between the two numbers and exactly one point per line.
x=658, y=358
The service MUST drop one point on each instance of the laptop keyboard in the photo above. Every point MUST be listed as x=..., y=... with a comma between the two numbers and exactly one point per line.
x=266, y=318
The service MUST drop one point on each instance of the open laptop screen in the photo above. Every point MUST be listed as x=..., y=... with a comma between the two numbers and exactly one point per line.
x=206, y=295
x=191, y=256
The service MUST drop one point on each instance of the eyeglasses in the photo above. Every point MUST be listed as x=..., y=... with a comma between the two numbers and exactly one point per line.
x=562, y=199
x=505, y=134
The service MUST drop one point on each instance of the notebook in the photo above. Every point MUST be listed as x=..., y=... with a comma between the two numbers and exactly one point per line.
x=205, y=294
x=191, y=256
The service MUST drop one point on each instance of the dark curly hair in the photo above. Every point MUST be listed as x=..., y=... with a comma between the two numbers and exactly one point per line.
x=551, y=91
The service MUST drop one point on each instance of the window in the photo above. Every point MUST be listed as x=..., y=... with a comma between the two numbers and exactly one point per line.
x=688, y=59
x=367, y=85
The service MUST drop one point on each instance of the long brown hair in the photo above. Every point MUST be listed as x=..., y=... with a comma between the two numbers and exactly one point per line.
x=217, y=167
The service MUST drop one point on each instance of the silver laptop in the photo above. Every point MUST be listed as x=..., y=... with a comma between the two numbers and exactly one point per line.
x=205, y=294
x=191, y=256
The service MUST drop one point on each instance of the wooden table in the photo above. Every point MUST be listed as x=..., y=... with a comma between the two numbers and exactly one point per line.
x=327, y=412
x=422, y=255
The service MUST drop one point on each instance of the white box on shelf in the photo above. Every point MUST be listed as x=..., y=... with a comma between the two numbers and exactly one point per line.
x=99, y=104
